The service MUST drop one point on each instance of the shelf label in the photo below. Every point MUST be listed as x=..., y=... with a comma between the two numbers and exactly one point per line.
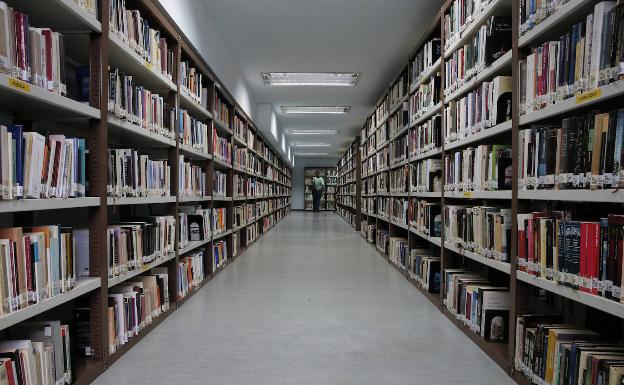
x=149, y=65
x=588, y=96
x=468, y=194
x=19, y=85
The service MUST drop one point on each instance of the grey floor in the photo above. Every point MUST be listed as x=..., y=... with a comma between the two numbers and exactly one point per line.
x=310, y=303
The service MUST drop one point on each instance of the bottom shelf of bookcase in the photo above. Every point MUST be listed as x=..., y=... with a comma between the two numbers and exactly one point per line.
x=496, y=351
x=85, y=371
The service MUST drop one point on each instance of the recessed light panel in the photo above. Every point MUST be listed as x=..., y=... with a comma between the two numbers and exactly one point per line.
x=315, y=109
x=311, y=153
x=312, y=132
x=310, y=144
x=328, y=79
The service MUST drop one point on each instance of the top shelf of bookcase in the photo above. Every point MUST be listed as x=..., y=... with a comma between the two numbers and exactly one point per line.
x=494, y=7
x=60, y=15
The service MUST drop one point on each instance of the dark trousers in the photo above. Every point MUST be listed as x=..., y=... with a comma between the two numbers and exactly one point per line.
x=316, y=200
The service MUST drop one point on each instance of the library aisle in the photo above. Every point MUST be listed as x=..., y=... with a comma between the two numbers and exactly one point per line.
x=310, y=303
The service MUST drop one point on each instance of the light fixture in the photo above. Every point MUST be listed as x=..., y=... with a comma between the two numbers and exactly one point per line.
x=330, y=79
x=310, y=144
x=311, y=153
x=315, y=109
x=312, y=132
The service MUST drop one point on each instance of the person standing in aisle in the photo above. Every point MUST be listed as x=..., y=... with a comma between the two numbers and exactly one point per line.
x=318, y=184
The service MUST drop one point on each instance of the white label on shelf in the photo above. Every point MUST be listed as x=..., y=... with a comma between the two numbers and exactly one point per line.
x=616, y=292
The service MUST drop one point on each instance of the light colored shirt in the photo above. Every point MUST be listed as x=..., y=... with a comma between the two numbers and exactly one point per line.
x=319, y=183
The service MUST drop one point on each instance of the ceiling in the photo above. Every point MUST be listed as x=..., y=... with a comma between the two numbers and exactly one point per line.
x=373, y=37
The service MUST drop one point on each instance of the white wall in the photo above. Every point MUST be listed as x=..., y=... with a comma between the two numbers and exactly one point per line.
x=298, y=186
x=197, y=24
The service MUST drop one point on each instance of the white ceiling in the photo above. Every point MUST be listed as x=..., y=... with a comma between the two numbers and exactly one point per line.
x=373, y=37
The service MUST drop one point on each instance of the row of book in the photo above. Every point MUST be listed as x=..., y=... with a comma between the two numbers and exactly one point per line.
x=240, y=128
x=550, y=351
x=486, y=167
x=147, y=42
x=194, y=224
x=425, y=98
x=491, y=41
x=131, y=174
x=381, y=240
x=381, y=135
x=221, y=147
x=221, y=110
x=460, y=15
x=190, y=273
x=481, y=305
x=37, y=263
x=193, y=132
x=398, y=150
x=582, y=254
x=240, y=158
x=37, y=352
x=134, y=304
x=382, y=158
x=383, y=209
x=426, y=176
x=219, y=220
x=219, y=254
x=587, y=57
x=219, y=184
x=32, y=54
x=136, y=104
x=585, y=152
x=371, y=231
x=382, y=110
x=239, y=186
x=91, y=6
x=37, y=166
x=426, y=137
x=398, y=90
x=254, y=164
x=398, y=250
x=191, y=83
x=399, y=120
x=486, y=106
x=484, y=230
x=131, y=245
x=398, y=179
x=423, y=266
x=253, y=231
x=240, y=216
x=398, y=210
x=425, y=217
x=425, y=58
x=192, y=179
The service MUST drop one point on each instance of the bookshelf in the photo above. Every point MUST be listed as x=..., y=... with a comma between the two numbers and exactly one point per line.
x=411, y=194
x=328, y=199
x=349, y=189
x=203, y=123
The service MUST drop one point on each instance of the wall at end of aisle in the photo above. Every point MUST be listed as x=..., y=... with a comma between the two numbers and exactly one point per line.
x=300, y=164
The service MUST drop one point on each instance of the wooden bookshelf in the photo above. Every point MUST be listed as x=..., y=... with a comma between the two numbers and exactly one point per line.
x=375, y=167
x=349, y=187
x=30, y=105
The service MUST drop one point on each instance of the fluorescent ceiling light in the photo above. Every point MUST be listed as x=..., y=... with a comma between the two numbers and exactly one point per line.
x=300, y=144
x=311, y=153
x=336, y=79
x=312, y=132
x=315, y=109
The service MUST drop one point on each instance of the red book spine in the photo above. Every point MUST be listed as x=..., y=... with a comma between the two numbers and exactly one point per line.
x=522, y=249
x=29, y=268
x=48, y=53
x=531, y=246
x=583, y=258
x=595, y=247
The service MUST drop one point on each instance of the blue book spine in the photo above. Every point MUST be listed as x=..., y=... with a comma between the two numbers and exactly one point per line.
x=572, y=62
x=17, y=133
x=82, y=153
